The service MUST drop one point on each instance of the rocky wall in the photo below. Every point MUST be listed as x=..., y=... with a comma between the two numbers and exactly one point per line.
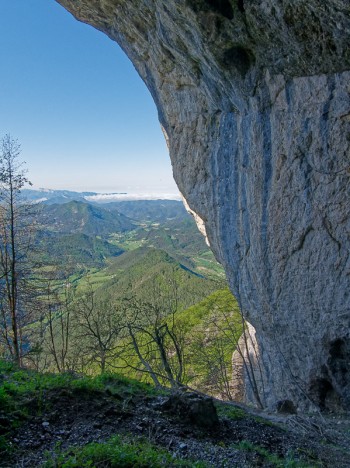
x=253, y=96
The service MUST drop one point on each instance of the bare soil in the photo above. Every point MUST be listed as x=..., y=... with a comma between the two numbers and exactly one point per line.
x=245, y=439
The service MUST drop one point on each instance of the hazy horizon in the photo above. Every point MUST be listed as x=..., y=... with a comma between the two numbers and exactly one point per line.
x=133, y=193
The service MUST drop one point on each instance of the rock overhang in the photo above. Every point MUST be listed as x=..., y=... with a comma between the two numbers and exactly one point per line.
x=254, y=99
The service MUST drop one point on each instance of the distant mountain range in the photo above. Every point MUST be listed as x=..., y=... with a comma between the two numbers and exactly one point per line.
x=90, y=235
x=145, y=211
x=49, y=196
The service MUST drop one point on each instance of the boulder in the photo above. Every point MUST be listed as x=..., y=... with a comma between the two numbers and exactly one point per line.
x=191, y=408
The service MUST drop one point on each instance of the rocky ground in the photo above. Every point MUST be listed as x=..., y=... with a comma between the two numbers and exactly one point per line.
x=189, y=426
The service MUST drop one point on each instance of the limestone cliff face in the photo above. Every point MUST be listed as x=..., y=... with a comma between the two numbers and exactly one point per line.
x=254, y=98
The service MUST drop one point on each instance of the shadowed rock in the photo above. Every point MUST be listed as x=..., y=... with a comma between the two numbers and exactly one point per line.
x=191, y=408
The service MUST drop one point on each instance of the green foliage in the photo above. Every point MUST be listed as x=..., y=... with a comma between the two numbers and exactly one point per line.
x=214, y=303
x=76, y=250
x=213, y=326
x=24, y=393
x=6, y=448
x=208, y=332
x=122, y=385
x=136, y=273
x=78, y=217
x=90, y=278
x=12, y=412
x=117, y=452
x=206, y=264
x=232, y=412
x=172, y=252
x=166, y=225
x=150, y=211
x=18, y=384
x=181, y=239
x=5, y=366
x=4, y=399
x=292, y=460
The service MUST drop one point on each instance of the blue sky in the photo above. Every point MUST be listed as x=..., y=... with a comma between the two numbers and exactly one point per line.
x=82, y=114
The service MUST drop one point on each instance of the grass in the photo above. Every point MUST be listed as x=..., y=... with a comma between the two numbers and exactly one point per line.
x=127, y=241
x=92, y=279
x=232, y=412
x=23, y=394
x=290, y=461
x=207, y=264
x=20, y=383
x=26, y=394
x=117, y=452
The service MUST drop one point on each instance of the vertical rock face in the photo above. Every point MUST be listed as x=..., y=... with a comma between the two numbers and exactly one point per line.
x=253, y=96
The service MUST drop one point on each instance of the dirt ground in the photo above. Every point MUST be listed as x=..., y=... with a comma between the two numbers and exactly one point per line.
x=239, y=438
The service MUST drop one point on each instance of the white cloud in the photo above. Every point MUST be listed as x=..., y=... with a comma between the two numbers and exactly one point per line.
x=109, y=197
x=40, y=200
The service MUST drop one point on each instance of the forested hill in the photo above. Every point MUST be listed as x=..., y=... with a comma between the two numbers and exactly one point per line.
x=76, y=251
x=85, y=218
x=147, y=274
x=81, y=235
x=156, y=211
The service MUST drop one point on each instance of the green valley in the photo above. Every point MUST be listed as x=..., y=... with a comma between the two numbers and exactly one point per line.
x=130, y=286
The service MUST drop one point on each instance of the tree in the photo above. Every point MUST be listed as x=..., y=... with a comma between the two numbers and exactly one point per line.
x=15, y=242
x=98, y=327
x=57, y=315
x=231, y=330
x=154, y=335
x=211, y=338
